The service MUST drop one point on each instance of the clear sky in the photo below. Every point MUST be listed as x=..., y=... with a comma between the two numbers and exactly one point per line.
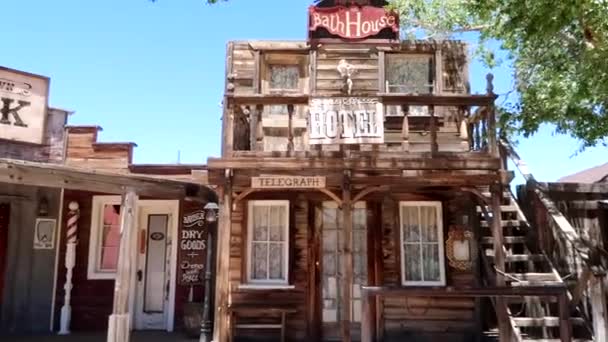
x=153, y=73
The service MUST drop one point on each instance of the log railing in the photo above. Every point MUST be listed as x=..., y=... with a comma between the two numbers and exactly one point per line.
x=372, y=293
x=559, y=233
x=470, y=118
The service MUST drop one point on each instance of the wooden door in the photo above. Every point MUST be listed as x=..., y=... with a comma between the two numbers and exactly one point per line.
x=155, y=267
x=331, y=268
x=4, y=216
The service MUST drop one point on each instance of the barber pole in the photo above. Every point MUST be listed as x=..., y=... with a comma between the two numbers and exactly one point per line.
x=70, y=261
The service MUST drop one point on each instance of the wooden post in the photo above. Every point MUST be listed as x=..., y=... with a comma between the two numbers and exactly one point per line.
x=222, y=286
x=119, y=324
x=259, y=128
x=499, y=262
x=290, y=146
x=347, y=264
x=565, y=329
x=597, y=293
x=405, y=128
x=70, y=262
x=434, y=146
x=491, y=133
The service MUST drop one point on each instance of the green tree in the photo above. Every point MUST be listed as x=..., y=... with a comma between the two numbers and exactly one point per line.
x=558, y=50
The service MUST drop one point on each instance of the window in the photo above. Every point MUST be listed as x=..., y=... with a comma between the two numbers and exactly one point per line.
x=283, y=73
x=268, y=243
x=422, y=260
x=409, y=74
x=104, y=241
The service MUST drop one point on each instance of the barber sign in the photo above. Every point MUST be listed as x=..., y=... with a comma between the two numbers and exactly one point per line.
x=346, y=120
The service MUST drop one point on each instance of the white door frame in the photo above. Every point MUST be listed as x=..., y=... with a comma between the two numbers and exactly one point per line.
x=173, y=227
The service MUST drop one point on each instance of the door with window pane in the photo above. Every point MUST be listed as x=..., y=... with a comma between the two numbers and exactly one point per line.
x=422, y=260
x=331, y=267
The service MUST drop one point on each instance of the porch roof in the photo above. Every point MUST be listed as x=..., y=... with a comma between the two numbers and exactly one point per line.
x=69, y=177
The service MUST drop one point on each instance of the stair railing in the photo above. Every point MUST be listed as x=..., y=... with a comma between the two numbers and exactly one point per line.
x=592, y=257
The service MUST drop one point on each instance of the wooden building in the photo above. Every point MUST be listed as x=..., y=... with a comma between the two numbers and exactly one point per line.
x=87, y=237
x=29, y=214
x=364, y=195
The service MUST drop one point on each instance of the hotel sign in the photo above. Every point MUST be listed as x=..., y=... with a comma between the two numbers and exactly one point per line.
x=23, y=106
x=346, y=120
x=288, y=182
x=352, y=22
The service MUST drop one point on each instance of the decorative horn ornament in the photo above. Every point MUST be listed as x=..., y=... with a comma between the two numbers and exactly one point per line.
x=347, y=71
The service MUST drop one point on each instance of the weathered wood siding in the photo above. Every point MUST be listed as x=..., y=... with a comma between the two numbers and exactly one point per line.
x=52, y=148
x=415, y=316
x=25, y=306
x=247, y=73
x=298, y=270
x=83, y=150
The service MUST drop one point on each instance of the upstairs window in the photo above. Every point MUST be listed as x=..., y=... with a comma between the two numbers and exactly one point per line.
x=409, y=74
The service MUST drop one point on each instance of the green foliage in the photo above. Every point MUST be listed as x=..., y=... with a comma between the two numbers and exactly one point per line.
x=558, y=50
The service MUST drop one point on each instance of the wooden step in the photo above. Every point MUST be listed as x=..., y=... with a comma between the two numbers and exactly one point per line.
x=509, y=240
x=536, y=277
x=503, y=223
x=543, y=321
x=530, y=339
x=553, y=283
x=518, y=257
x=510, y=208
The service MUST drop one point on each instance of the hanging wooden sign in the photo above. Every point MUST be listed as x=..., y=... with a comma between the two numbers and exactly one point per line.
x=355, y=22
x=288, y=182
x=23, y=106
x=346, y=120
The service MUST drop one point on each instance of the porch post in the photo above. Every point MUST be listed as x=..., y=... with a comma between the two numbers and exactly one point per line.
x=598, y=293
x=70, y=262
x=347, y=264
x=222, y=288
x=119, y=323
x=504, y=326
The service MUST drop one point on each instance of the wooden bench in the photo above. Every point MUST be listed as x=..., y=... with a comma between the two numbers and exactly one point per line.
x=258, y=310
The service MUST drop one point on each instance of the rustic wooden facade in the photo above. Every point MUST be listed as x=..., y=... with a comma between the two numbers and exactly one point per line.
x=318, y=235
x=91, y=296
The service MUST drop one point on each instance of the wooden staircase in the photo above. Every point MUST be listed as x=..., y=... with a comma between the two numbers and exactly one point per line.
x=531, y=318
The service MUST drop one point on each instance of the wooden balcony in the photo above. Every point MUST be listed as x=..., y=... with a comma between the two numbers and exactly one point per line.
x=416, y=126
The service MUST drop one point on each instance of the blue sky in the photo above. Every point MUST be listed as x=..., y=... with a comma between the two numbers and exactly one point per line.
x=153, y=73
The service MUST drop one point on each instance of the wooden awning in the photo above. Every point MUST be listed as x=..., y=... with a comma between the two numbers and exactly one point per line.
x=61, y=176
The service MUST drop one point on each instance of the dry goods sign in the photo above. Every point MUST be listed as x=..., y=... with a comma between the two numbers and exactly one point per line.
x=346, y=120
x=192, y=248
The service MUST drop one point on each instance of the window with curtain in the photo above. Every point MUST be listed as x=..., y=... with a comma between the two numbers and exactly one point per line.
x=268, y=242
x=422, y=254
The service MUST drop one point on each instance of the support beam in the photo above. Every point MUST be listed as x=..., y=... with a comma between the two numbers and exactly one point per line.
x=347, y=262
x=222, y=286
x=499, y=262
x=597, y=294
x=119, y=324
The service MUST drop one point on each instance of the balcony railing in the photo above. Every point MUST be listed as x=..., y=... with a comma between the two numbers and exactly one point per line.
x=412, y=124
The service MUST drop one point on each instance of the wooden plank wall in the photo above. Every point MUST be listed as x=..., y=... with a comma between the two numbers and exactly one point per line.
x=83, y=150
x=246, y=77
x=297, y=324
x=415, y=316
x=52, y=147
x=365, y=60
